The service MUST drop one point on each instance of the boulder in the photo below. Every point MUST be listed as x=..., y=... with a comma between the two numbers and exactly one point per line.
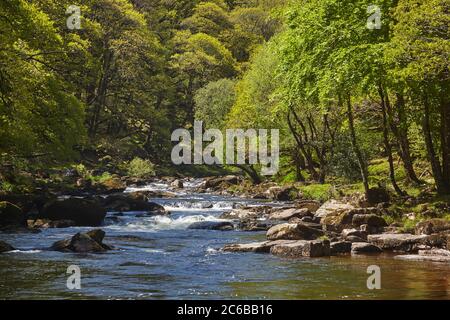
x=283, y=193
x=371, y=220
x=257, y=247
x=5, y=247
x=82, y=212
x=255, y=225
x=302, y=248
x=177, y=184
x=403, y=242
x=432, y=226
x=354, y=232
x=311, y=205
x=10, y=214
x=340, y=247
x=363, y=247
x=132, y=202
x=220, y=182
x=287, y=214
x=333, y=207
x=212, y=225
x=45, y=223
x=355, y=239
x=291, y=231
x=337, y=221
x=433, y=255
x=91, y=241
x=247, y=213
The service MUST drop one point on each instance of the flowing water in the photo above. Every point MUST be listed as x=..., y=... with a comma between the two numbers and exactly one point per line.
x=160, y=258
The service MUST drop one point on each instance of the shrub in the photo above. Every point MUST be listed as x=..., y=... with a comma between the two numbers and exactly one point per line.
x=140, y=168
x=320, y=192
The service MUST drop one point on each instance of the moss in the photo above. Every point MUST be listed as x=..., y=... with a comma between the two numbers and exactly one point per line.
x=320, y=192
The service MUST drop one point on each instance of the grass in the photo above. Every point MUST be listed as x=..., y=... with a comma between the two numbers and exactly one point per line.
x=320, y=192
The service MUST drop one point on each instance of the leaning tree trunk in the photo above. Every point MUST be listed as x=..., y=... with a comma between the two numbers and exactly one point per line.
x=356, y=149
x=387, y=144
x=401, y=134
x=251, y=172
x=435, y=165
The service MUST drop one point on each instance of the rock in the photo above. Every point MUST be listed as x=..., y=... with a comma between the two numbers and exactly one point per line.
x=363, y=247
x=258, y=247
x=398, y=242
x=255, y=225
x=371, y=220
x=82, y=212
x=283, y=193
x=435, y=252
x=432, y=226
x=91, y=241
x=290, y=231
x=355, y=239
x=378, y=195
x=46, y=223
x=5, y=247
x=220, y=182
x=10, y=214
x=354, y=232
x=247, y=213
x=132, y=202
x=311, y=205
x=302, y=248
x=212, y=225
x=177, y=184
x=114, y=184
x=430, y=257
x=337, y=221
x=333, y=207
x=287, y=214
x=340, y=247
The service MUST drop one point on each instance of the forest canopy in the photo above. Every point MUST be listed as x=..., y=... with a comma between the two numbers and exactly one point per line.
x=342, y=94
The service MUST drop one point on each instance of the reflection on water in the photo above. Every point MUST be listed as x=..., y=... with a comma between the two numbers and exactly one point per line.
x=159, y=258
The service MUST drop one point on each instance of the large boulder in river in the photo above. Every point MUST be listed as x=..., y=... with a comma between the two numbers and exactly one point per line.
x=364, y=247
x=432, y=226
x=177, y=184
x=257, y=247
x=91, y=241
x=287, y=214
x=293, y=231
x=340, y=247
x=399, y=242
x=212, y=225
x=333, y=207
x=82, y=212
x=132, y=202
x=302, y=248
x=220, y=182
x=5, y=247
x=10, y=214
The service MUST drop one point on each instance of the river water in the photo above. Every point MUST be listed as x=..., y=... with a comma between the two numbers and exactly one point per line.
x=160, y=258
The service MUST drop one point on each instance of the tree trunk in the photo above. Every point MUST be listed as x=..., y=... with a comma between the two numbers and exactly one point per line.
x=356, y=149
x=445, y=142
x=435, y=165
x=387, y=144
x=400, y=132
x=251, y=172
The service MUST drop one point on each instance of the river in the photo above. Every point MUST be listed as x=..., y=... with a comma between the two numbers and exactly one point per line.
x=160, y=258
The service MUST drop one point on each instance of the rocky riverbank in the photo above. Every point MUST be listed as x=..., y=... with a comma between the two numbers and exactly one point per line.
x=295, y=227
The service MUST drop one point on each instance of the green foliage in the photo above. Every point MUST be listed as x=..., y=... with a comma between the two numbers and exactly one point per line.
x=214, y=101
x=140, y=168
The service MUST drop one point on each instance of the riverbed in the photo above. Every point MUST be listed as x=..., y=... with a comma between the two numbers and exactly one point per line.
x=160, y=258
